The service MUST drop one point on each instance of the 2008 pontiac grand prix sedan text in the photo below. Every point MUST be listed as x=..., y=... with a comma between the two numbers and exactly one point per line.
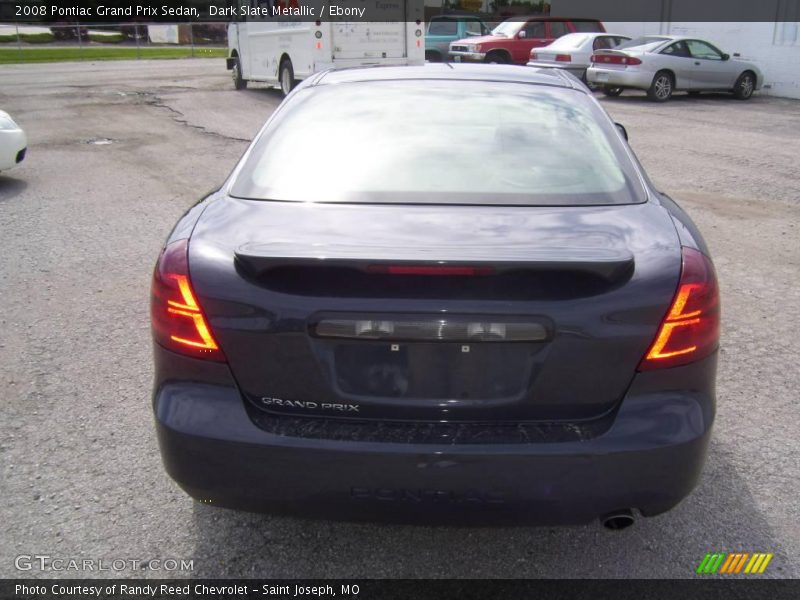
x=437, y=291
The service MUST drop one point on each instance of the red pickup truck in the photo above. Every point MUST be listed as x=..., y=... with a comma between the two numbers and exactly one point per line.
x=512, y=40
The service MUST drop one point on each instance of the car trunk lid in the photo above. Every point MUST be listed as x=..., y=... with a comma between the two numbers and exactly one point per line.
x=430, y=313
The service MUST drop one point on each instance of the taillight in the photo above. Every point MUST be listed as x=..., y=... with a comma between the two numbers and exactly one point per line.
x=615, y=59
x=563, y=58
x=690, y=330
x=177, y=318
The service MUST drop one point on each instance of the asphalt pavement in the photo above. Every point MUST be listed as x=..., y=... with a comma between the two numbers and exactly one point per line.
x=119, y=150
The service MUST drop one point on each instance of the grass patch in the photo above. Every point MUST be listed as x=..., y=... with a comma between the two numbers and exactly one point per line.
x=106, y=38
x=38, y=55
x=7, y=39
x=37, y=38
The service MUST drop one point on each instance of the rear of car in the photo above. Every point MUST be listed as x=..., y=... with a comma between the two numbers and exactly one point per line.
x=573, y=52
x=13, y=142
x=664, y=64
x=631, y=64
x=478, y=305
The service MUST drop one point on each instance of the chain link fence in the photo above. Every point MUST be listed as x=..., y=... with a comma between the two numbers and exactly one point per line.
x=75, y=41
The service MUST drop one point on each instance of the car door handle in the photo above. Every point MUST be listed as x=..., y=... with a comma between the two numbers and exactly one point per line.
x=697, y=62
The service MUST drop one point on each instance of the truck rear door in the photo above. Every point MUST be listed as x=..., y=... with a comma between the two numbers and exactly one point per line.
x=368, y=40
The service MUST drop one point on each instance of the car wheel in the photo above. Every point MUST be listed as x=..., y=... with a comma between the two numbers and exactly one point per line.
x=433, y=57
x=497, y=58
x=661, y=88
x=286, y=76
x=745, y=85
x=236, y=73
x=612, y=92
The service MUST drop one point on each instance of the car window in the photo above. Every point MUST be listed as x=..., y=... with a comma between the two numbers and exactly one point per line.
x=474, y=27
x=443, y=27
x=703, y=50
x=644, y=43
x=558, y=28
x=603, y=42
x=508, y=28
x=587, y=26
x=534, y=29
x=440, y=142
x=677, y=49
x=571, y=40
x=619, y=40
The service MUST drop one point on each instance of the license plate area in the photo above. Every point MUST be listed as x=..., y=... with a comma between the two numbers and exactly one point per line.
x=432, y=370
x=601, y=77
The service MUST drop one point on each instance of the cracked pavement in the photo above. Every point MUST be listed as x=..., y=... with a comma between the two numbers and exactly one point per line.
x=81, y=226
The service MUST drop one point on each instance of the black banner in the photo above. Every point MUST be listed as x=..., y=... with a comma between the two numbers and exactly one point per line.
x=738, y=588
x=176, y=11
x=154, y=11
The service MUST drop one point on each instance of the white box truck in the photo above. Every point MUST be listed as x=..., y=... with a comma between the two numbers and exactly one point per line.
x=282, y=52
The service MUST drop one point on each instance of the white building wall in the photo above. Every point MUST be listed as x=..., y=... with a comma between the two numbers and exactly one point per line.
x=774, y=47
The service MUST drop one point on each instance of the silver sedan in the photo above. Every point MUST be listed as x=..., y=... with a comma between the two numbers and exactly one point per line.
x=573, y=52
x=662, y=64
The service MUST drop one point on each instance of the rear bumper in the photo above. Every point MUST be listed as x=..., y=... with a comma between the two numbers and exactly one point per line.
x=619, y=78
x=649, y=460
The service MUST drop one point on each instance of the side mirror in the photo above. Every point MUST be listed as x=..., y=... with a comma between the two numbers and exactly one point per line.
x=522, y=34
x=622, y=130
x=726, y=57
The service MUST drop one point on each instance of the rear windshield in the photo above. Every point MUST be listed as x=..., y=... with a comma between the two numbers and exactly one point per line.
x=440, y=142
x=644, y=43
x=571, y=40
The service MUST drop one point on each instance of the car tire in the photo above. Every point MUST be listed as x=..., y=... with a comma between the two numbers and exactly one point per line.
x=286, y=76
x=662, y=87
x=433, y=57
x=239, y=82
x=745, y=86
x=611, y=92
x=498, y=58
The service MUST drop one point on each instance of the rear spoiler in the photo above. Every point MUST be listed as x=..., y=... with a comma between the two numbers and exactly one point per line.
x=607, y=263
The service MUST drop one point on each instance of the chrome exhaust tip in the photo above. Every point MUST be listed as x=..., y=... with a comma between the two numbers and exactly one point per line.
x=620, y=519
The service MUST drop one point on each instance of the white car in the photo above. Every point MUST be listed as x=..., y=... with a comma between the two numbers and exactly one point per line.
x=573, y=52
x=662, y=64
x=13, y=142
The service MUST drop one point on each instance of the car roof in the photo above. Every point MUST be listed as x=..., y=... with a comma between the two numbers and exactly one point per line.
x=450, y=71
x=591, y=34
x=549, y=18
x=455, y=17
x=666, y=37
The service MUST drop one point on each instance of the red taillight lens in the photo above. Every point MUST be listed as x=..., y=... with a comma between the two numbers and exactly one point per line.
x=615, y=59
x=441, y=270
x=563, y=58
x=690, y=331
x=176, y=316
